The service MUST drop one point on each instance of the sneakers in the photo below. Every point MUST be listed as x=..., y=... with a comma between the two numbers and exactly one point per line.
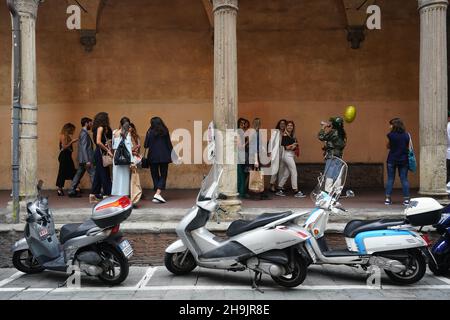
x=388, y=201
x=280, y=193
x=158, y=198
x=74, y=194
x=93, y=198
x=299, y=195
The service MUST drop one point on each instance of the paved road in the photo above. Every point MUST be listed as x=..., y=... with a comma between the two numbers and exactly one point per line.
x=322, y=283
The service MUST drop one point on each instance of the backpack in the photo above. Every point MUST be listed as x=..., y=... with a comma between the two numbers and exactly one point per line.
x=122, y=157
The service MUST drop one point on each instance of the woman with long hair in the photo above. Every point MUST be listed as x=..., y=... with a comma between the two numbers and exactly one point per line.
x=276, y=152
x=101, y=186
x=121, y=173
x=398, y=145
x=288, y=166
x=157, y=140
x=243, y=158
x=136, y=188
x=66, y=166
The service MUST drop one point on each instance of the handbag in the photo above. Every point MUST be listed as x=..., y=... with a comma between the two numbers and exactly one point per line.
x=136, y=188
x=412, y=163
x=107, y=160
x=122, y=156
x=256, y=181
x=145, y=163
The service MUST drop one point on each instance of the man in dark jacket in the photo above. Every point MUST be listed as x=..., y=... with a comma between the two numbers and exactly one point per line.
x=85, y=156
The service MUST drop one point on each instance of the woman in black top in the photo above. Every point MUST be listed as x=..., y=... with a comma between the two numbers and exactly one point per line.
x=66, y=166
x=157, y=140
x=288, y=166
x=102, y=136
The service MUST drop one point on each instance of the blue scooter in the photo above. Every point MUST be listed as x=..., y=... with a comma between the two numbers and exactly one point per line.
x=441, y=249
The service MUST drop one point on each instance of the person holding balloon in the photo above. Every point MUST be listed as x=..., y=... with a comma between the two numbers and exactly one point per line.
x=334, y=137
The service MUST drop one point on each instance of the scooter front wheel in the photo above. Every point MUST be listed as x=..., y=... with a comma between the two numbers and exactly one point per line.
x=24, y=260
x=416, y=267
x=440, y=269
x=180, y=263
x=297, y=273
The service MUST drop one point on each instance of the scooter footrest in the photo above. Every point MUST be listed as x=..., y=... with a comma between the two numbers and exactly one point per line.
x=340, y=253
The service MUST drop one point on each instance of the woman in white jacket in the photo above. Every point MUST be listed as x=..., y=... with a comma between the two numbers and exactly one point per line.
x=276, y=152
x=122, y=173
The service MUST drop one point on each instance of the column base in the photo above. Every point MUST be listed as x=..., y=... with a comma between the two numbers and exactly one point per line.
x=8, y=217
x=233, y=206
x=439, y=194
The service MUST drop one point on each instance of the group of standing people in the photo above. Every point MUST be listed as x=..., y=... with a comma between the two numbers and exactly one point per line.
x=283, y=149
x=98, y=153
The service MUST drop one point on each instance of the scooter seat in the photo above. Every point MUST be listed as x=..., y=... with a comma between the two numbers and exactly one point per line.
x=241, y=226
x=73, y=230
x=357, y=226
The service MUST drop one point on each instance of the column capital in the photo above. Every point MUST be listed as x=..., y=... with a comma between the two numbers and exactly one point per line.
x=432, y=3
x=225, y=4
x=27, y=7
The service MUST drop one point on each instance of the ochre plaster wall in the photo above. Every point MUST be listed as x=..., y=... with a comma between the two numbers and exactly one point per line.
x=156, y=58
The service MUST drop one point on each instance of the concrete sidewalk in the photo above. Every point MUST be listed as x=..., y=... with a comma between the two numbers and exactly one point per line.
x=158, y=218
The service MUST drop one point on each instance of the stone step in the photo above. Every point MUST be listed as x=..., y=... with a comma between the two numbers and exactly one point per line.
x=170, y=226
x=165, y=215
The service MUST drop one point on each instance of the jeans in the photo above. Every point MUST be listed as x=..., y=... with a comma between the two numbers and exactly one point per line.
x=448, y=170
x=242, y=176
x=159, y=175
x=288, y=167
x=80, y=173
x=403, y=174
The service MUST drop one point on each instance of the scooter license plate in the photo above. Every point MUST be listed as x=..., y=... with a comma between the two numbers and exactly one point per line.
x=126, y=248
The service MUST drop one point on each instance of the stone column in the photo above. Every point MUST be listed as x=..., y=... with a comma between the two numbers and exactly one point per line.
x=27, y=10
x=226, y=94
x=433, y=96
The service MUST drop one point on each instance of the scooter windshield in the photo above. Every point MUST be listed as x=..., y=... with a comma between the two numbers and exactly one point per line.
x=332, y=181
x=210, y=184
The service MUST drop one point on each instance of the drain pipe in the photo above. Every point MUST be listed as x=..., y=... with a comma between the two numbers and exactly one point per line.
x=16, y=107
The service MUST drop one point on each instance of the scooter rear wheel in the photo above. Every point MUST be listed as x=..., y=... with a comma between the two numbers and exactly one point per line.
x=416, y=265
x=115, y=266
x=296, y=277
x=177, y=265
x=23, y=260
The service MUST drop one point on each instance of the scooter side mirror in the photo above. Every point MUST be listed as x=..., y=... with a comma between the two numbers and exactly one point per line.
x=39, y=188
x=349, y=194
x=39, y=185
x=222, y=196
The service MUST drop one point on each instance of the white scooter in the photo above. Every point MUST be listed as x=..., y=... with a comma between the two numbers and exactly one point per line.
x=272, y=243
x=393, y=245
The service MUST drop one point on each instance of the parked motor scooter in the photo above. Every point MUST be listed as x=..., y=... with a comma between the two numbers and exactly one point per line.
x=272, y=243
x=440, y=265
x=94, y=246
x=393, y=245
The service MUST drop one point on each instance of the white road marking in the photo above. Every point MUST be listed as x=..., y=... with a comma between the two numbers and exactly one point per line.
x=443, y=279
x=15, y=276
x=146, y=278
x=440, y=278
x=222, y=288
